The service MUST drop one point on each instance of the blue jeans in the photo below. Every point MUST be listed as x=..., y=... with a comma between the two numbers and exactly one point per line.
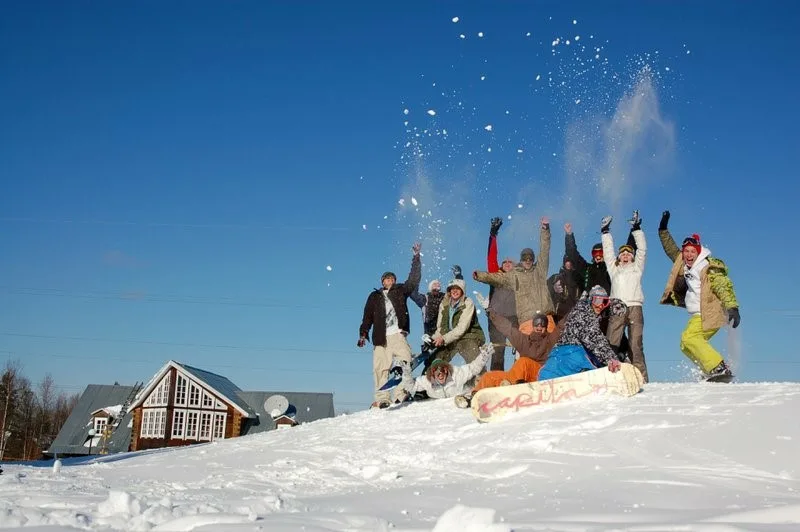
x=566, y=360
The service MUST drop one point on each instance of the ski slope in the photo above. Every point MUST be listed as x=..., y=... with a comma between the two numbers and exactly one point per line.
x=708, y=457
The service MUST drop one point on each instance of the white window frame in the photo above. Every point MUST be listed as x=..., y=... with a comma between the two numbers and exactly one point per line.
x=178, y=424
x=181, y=390
x=153, y=423
x=192, y=422
x=204, y=428
x=160, y=394
x=218, y=428
x=190, y=400
x=100, y=424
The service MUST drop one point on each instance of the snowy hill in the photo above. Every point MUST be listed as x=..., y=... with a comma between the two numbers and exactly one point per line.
x=677, y=457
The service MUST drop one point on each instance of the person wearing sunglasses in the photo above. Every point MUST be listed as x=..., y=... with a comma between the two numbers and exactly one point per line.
x=626, y=270
x=582, y=346
x=528, y=279
x=699, y=283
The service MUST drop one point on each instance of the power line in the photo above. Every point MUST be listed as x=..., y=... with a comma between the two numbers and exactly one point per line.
x=157, y=298
x=173, y=344
x=176, y=224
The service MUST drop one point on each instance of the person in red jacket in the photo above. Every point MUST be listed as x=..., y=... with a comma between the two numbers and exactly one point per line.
x=502, y=300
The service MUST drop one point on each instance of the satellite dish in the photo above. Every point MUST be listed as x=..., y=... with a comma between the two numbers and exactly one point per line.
x=276, y=405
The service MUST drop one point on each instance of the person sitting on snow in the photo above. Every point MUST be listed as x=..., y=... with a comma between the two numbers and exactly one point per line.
x=442, y=379
x=626, y=272
x=532, y=348
x=582, y=346
x=699, y=283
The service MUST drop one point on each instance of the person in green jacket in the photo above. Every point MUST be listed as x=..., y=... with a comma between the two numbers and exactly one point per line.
x=457, y=329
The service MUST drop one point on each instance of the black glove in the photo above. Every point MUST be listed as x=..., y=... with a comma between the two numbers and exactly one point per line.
x=605, y=224
x=495, y=227
x=636, y=221
x=733, y=314
x=664, y=221
x=457, y=271
x=361, y=342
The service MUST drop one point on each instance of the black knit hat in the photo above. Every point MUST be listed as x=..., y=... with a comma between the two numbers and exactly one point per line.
x=388, y=274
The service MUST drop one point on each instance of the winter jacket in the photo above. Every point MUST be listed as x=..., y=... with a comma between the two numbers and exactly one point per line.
x=429, y=303
x=456, y=383
x=530, y=286
x=716, y=289
x=582, y=327
x=572, y=287
x=460, y=322
x=589, y=273
x=375, y=307
x=626, y=279
x=502, y=300
x=536, y=346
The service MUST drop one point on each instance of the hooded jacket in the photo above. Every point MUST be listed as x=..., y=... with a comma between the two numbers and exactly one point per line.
x=590, y=273
x=716, y=289
x=582, y=327
x=459, y=322
x=534, y=346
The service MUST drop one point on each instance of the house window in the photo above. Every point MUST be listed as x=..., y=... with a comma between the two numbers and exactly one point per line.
x=160, y=395
x=205, y=426
x=191, y=425
x=100, y=424
x=180, y=390
x=208, y=400
x=177, y=423
x=194, y=395
x=153, y=423
x=220, y=406
x=219, y=426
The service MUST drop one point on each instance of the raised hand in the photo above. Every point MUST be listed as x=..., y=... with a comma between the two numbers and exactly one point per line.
x=568, y=228
x=636, y=221
x=416, y=248
x=495, y=226
x=361, y=342
x=662, y=226
x=545, y=221
x=605, y=224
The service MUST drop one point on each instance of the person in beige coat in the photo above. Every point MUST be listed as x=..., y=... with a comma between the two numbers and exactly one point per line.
x=528, y=279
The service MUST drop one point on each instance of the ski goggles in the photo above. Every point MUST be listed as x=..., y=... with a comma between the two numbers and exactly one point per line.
x=600, y=300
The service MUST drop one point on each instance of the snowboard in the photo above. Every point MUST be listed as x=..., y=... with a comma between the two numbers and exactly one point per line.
x=492, y=404
x=720, y=378
x=396, y=371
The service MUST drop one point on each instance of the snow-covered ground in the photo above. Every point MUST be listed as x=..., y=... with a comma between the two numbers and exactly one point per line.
x=707, y=457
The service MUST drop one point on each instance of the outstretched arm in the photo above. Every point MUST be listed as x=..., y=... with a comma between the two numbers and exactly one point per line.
x=571, y=249
x=641, y=248
x=411, y=284
x=419, y=299
x=667, y=242
x=503, y=279
x=491, y=254
x=544, y=248
x=609, y=257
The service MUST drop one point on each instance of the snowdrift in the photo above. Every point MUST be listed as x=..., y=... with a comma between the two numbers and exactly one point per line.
x=709, y=457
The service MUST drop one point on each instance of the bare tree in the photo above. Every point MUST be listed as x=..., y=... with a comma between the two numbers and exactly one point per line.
x=8, y=394
x=46, y=404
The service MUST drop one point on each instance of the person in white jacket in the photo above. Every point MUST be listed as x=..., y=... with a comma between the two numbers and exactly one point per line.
x=625, y=269
x=443, y=380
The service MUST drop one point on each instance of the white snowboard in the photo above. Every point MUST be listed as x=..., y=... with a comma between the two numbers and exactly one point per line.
x=491, y=404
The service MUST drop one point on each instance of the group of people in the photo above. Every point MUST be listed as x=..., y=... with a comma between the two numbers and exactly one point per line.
x=588, y=315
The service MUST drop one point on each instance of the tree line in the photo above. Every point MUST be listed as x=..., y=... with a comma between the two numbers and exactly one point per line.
x=30, y=415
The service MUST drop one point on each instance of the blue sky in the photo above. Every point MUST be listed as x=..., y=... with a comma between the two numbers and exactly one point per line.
x=178, y=177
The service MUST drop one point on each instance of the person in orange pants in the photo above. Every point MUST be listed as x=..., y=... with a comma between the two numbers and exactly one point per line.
x=533, y=349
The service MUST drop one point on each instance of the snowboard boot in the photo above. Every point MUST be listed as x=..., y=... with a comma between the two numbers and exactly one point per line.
x=463, y=401
x=380, y=404
x=721, y=373
x=505, y=382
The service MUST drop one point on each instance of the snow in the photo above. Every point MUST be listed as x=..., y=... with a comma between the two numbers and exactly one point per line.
x=414, y=201
x=455, y=19
x=480, y=34
x=488, y=127
x=678, y=456
x=328, y=267
x=431, y=112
